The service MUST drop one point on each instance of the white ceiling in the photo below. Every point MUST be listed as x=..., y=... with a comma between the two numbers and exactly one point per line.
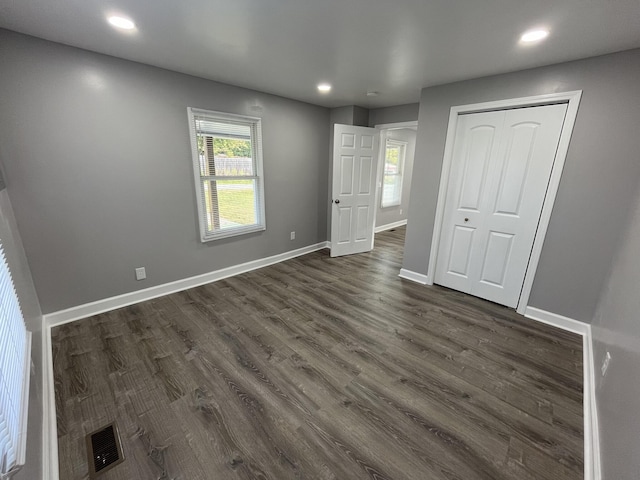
x=286, y=47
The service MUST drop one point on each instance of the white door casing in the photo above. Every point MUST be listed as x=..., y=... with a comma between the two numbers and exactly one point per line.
x=501, y=166
x=355, y=152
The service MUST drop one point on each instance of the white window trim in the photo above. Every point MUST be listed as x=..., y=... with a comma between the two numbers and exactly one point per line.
x=401, y=162
x=255, y=124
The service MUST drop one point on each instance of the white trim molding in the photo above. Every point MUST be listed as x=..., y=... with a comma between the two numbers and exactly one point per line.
x=50, y=469
x=389, y=226
x=112, y=303
x=553, y=319
x=592, y=467
x=573, y=100
x=397, y=125
x=414, y=277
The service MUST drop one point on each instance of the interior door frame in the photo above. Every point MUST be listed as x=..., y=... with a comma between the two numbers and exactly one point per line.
x=383, y=128
x=572, y=98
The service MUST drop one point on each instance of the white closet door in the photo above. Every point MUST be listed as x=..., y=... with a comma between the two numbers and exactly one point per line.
x=501, y=168
x=476, y=142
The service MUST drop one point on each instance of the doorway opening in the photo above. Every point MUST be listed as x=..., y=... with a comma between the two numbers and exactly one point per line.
x=371, y=178
x=397, y=153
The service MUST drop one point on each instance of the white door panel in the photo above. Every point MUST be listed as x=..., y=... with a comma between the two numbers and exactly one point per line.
x=459, y=259
x=517, y=161
x=476, y=140
x=366, y=180
x=496, y=258
x=501, y=167
x=346, y=174
x=475, y=162
x=362, y=223
x=353, y=189
x=344, y=224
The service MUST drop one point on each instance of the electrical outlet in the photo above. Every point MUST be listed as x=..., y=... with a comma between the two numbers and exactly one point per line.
x=141, y=273
x=293, y=235
x=605, y=363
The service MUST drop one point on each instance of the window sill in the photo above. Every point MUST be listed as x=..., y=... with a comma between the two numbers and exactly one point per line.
x=233, y=232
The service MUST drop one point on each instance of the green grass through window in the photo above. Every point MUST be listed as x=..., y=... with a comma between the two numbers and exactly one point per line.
x=237, y=206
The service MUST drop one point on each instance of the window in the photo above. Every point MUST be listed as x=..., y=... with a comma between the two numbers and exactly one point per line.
x=227, y=164
x=15, y=354
x=393, y=168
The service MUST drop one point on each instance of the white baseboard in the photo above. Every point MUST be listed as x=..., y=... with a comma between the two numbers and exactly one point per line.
x=414, y=276
x=389, y=226
x=119, y=301
x=592, y=468
x=556, y=320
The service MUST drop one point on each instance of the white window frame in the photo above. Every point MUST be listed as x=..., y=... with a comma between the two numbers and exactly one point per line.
x=255, y=125
x=401, y=160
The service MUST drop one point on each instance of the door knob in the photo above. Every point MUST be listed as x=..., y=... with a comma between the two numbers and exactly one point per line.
x=337, y=201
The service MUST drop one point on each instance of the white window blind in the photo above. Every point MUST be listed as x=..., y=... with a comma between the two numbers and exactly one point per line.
x=227, y=162
x=15, y=352
x=393, y=170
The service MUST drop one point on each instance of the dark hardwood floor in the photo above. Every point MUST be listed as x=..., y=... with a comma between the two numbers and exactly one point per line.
x=321, y=368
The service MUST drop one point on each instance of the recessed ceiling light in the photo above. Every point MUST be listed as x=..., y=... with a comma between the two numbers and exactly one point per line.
x=324, y=87
x=372, y=93
x=534, y=36
x=121, y=22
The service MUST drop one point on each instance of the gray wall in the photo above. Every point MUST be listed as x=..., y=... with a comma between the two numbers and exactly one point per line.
x=616, y=329
x=342, y=115
x=396, y=114
x=17, y=261
x=385, y=216
x=360, y=116
x=599, y=178
x=349, y=115
x=98, y=166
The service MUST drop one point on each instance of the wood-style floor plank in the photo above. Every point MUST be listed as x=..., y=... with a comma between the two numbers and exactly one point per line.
x=322, y=368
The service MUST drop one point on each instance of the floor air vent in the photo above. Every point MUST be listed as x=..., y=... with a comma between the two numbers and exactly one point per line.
x=104, y=450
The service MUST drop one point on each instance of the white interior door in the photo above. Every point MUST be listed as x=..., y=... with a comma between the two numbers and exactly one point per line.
x=502, y=163
x=353, y=189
